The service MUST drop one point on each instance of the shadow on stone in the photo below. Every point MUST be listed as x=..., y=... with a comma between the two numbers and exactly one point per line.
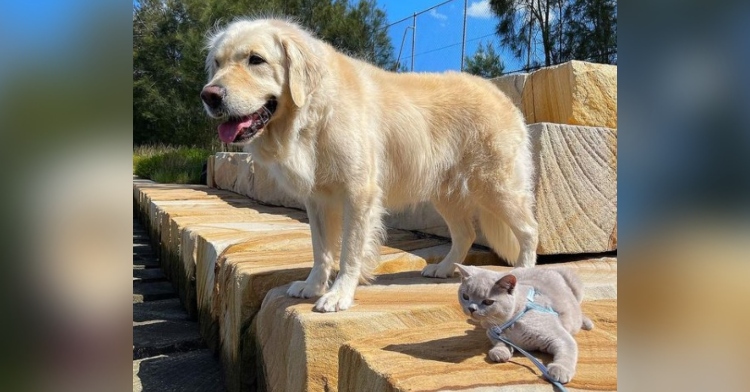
x=454, y=349
x=191, y=371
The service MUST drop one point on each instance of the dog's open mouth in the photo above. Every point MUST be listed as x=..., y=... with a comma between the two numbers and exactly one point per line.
x=239, y=129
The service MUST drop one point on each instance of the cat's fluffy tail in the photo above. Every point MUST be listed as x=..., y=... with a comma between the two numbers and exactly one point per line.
x=500, y=237
x=587, y=324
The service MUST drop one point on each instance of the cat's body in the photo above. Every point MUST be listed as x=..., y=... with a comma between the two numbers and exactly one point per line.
x=493, y=298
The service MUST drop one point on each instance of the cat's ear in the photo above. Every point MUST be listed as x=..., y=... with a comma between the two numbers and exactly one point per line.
x=463, y=270
x=507, y=283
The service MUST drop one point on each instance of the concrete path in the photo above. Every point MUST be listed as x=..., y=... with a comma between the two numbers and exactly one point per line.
x=168, y=353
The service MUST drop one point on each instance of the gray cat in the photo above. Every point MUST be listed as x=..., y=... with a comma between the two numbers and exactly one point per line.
x=494, y=298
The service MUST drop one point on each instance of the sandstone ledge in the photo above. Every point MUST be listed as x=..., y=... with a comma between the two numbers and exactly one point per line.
x=575, y=93
x=299, y=348
x=224, y=252
x=453, y=356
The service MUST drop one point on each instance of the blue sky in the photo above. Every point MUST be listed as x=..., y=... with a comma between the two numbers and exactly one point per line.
x=439, y=32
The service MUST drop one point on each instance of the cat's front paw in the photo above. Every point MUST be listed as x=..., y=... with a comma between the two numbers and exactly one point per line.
x=439, y=270
x=499, y=354
x=560, y=373
x=303, y=289
x=334, y=301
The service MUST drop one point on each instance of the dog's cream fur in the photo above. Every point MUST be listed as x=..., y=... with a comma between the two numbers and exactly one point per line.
x=353, y=140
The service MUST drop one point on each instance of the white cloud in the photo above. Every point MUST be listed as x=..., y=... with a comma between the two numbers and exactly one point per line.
x=437, y=15
x=480, y=9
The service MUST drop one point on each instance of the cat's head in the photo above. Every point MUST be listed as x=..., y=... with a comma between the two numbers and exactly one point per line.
x=486, y=296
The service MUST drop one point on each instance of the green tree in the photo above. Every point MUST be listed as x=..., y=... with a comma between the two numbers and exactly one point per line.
x=168, y=54
x=592, y=32
x=559, y=30
x=485, y=62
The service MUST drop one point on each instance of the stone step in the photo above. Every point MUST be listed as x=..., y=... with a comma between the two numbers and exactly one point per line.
x=231, y=259
x=152, y=291
x=143, y=262
x=575, y=93
x=195, y=371
x=156, y=337
x=294, y=340
x=148, y=275
x=453, y=356
x=165, y=309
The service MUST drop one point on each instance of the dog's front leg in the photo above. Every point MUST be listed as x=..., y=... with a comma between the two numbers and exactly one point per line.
x=325, y=226
x=360, y=245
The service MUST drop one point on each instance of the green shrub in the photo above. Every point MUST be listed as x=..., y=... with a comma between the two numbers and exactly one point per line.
x=166, y=164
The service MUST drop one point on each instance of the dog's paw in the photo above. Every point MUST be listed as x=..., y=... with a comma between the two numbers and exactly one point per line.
x=302, y=289
x=334, y=301
x=560, y=373
x=499, y=354
x=439, y=270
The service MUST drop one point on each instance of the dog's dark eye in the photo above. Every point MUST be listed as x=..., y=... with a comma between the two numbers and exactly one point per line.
x=216, y=63
x=488, y=302
x=255, y=60
x=465, y=297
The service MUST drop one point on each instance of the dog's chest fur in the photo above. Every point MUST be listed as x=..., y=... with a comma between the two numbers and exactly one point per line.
x=295, y=175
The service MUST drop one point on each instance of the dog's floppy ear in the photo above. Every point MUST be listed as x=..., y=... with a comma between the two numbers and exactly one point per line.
x=302, y=67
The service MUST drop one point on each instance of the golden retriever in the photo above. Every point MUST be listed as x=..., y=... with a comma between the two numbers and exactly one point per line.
x=352, y=140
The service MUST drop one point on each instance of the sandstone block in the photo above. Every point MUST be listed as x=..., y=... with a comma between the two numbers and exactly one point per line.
x=453, y=356
x=300, y=348
x=210, y=172
x=576, y=93
x=576, y=188
x=247, y=271
x=236, y=172
x=512, y=86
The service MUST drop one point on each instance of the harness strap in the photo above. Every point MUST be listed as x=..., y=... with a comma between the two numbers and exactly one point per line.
x=496, y=333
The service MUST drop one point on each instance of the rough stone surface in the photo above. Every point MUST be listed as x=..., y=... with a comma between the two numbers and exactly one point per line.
x=194, y=371
x=299, y=347
x=168, y=354
x=453, y=356
x=576, y=188
x=576, y=93
x=236, y=172
x=232, y=258
x=512, y=86
x=210, y=181
x=149, y=291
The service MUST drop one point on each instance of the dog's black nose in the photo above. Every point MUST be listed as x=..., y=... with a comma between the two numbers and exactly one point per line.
x=212, y=96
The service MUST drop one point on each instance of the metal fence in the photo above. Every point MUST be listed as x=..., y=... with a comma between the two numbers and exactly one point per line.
x=439, y=38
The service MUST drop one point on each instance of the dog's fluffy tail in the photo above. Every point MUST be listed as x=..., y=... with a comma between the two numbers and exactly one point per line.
x=500, y=237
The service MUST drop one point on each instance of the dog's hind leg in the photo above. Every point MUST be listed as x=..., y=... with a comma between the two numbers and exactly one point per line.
x=459, y=220
x=325, y=226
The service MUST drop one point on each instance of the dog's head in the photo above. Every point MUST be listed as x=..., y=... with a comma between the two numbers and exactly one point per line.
x=258, y=71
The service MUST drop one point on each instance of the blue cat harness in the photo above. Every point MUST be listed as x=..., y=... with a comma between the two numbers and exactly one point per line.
x=496, y=333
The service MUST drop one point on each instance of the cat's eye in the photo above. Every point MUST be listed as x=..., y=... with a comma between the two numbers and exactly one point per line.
x=488, y=302
x=255, y=60
x=465, y=296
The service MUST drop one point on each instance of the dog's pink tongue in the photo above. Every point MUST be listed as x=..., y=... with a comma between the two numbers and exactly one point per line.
x=229, y=130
